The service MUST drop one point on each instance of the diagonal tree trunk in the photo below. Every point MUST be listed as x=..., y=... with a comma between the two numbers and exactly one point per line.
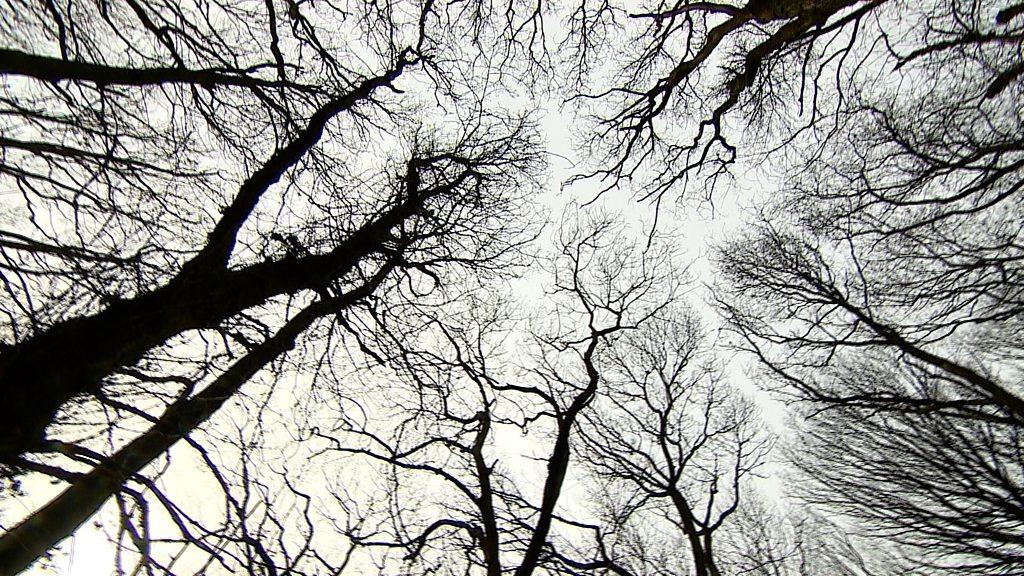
x=35, y=535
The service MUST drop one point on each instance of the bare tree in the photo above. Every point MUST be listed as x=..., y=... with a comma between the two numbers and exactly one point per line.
x=884, y=287
x=917, y=427
x=949, y=488
x=612, y=386
x=188, y=410
x=671, y=442
x=460, y=498
x=73, y=324
x=677, y=92
x=661, y=80
x=205, y=200
x=830, y=322
x=192, y=187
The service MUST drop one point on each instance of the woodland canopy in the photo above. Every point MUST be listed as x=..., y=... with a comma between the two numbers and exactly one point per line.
x=415, y=287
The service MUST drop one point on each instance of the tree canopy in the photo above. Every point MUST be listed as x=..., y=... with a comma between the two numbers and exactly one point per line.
x=303, y=287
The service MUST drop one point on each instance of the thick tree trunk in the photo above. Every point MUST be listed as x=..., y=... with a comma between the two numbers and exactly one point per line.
x=38, y=533
x=39, y=375
x=558, y=463
x=702, y=563
x=57, y=70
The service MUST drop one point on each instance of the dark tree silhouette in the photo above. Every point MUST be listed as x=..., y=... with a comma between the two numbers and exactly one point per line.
x=422, y=247
x=271, y=242
x=673, y=440
x=192, y=186
x=949, y=487
x=660, y=103
x=483, y=511
x=612, y=388
x=884, y=287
